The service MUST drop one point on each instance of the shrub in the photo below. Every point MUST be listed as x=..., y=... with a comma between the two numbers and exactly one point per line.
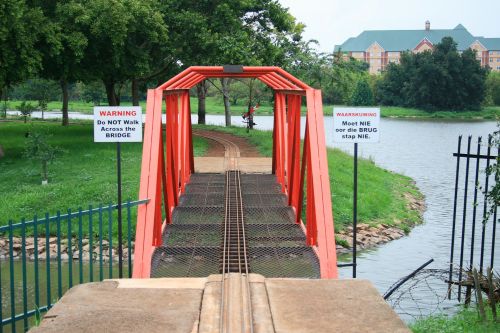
x=362, y=95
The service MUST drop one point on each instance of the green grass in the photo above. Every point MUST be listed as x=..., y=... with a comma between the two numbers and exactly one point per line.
x=83, y=173
x=490, y=112
x=466, y=320
x=214, y=105
x=381, y=193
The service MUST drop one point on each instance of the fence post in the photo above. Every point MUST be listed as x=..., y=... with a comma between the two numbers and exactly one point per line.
x=110, y=240
x=11, y=274
x=91, y=246
x=70, y=251
x=129, y=239
x=47, y=260
x=35, y=244
x=23, y=263
x=59, y=268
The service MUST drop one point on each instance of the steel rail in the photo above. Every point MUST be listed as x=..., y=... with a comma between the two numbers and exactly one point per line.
x=234, y=241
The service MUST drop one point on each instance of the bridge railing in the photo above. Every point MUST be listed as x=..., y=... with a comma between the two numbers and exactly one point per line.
x=310, y=170
x=43, y=257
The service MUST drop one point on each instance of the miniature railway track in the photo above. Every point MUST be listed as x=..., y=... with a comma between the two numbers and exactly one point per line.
x=235, y=303
x=233, y=224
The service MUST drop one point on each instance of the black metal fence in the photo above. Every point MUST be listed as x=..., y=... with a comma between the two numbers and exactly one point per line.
x=474, y=219
x=42, y=258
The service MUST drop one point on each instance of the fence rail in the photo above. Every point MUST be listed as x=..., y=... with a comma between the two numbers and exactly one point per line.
x=473, y=234
x=40, y=259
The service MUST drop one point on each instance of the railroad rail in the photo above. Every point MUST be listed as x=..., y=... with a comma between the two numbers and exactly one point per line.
x=235, y=302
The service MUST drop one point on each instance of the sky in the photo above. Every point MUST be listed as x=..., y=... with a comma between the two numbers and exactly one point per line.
x=331, y=22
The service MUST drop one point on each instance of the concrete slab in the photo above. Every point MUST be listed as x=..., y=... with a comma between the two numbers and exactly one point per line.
x=192, y=305
x=348, y=306
x=102, y=307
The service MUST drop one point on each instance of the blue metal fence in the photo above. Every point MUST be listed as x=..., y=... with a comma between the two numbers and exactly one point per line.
x=42, y=258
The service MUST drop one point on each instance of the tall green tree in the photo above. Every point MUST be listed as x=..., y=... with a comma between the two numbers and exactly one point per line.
x=124, y=36
x=441, y=79
x=63, y=59
x=22, y=30
x=248, y=32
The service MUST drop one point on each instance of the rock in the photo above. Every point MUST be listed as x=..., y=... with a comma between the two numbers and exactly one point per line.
x=363, y=226
x=64, y=256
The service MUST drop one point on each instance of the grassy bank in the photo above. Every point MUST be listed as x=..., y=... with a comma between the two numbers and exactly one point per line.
x=489, y=112
x=214, y=105
x=83, y=173
x=466, y=320
x=383, y=195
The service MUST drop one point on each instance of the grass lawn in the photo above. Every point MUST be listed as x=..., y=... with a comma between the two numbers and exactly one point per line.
x=214, y=105
x=83, y=173
x=489, y=112
x=381, y=195
x=466, y=320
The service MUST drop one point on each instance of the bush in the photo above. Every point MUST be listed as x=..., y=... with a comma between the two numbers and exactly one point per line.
x=362, y=94
x=493, y=89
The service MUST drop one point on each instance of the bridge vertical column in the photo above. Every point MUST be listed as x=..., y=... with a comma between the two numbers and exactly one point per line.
x=150, y=188
x=294, y=105
x=318, y=184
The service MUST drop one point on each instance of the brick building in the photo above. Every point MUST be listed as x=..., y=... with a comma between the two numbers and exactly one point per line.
x=380, y=47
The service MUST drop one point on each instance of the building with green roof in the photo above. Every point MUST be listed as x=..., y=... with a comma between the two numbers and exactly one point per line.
x=380, y=47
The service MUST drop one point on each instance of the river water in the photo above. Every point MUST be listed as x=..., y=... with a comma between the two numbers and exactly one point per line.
x=422, y=150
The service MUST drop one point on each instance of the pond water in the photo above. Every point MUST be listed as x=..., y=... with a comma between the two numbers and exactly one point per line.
x=422, y=150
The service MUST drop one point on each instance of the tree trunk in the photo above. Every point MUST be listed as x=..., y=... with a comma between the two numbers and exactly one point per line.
x=4, y=99
x=135, y=92
x=65, y=101
x=201, y=89
x=227, y=105
x=111, y=94
x=44, y=170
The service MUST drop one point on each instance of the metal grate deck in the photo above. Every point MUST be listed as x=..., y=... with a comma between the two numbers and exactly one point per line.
x=192, y=243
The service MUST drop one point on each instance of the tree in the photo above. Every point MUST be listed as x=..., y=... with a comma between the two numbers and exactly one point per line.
x=62, y=60
x=362, y=95
x=38, y=149
x=21, y=32
x=26, y=110
x=442, y=79
x=245, y=32
x=123, y=38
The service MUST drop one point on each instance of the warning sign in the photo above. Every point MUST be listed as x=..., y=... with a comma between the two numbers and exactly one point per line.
x=117, y=124
x=356, y=124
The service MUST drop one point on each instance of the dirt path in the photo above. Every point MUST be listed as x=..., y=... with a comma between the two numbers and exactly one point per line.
x=215, y=149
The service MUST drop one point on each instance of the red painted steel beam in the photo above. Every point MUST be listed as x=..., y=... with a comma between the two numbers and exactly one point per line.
x=172, y=172
x=149, y=186
x=320, y=179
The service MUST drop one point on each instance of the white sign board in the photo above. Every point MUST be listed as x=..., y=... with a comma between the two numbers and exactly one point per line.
x=117, y=124
x=353, y=124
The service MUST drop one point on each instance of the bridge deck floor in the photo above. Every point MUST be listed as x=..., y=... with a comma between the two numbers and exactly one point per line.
x=192, y=243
